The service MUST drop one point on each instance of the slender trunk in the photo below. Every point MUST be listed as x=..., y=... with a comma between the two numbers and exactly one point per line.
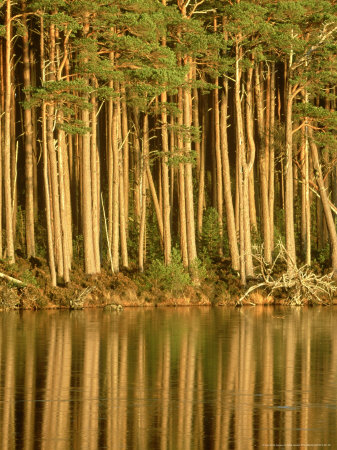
x=219, y=186
x=2, y=68
x=125, y=150
x=306, y=213
x=51, y=257
x=110, y=164
x=28, y=129
x=156, y=203
x=272, y=156
x=251, y=144
x=182, y=189
x=95, y=184
x=7, y=143
x=165, y=183
x=137, y=169
x=142, y=227
x=53, y=166
x=289, y=198
x=263, y=165
x=243, y=173
x=190, y=221
x=63, y=206
x=87, y=219
x=122, y=219
x=165, y=175
x=326, y=203
x=201, y=161
x=115, y=189
x=231, y=229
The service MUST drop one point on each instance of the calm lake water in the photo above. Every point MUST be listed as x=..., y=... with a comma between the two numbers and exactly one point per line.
x=169, y=378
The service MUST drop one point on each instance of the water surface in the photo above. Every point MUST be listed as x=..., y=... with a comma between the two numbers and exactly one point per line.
x=169, y=379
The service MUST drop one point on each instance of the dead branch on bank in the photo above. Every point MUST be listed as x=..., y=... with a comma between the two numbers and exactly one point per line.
x=301, y=285
x=12, y=280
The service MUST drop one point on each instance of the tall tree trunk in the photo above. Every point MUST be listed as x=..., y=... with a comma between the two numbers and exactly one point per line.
x=289, y=198
x=53, y=166
x=115, y=189
x=325, y=202
x=201, y=163
x=7, y=143
x=2, y=89
x=243, y=172
x=263, y=165
x=219, y=186
x=95, y=184
x=63, y=205
x=51, y=257
x=142, y=227
x=87, y=220
x=190, y=221
x=122, y=218
x=271, y=194
x=165, y=182
x=125, y=151
x=231, y=229
x=165, y=175
x=28, y=129
x=181, y=184
x=251, y=143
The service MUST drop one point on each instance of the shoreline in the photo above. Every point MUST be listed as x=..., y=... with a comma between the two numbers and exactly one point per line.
x=128, y=288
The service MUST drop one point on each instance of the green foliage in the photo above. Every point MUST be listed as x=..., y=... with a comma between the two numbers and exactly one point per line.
x=174, y=159
x=210, y=237
x=78, y=252
x=28, y=278
x=153, y=244
x=173, y=277
x=199, y=269
x=323, y=256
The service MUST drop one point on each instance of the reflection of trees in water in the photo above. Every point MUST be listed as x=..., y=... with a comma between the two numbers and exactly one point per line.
x=168, y=379
x=56, y=396
x=7, y=379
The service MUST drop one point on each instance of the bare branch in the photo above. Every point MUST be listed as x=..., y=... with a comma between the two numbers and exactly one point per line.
x=300, y=284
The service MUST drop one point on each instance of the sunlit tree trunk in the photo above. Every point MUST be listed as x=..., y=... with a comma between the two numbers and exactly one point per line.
x=251, y=142
x=165, y=182
x=325, y=202
x=231, y=229
x=50, y=240
x=263, y=165
x=272, y=155
x=95, y=183
x=289, y=196
x=115, y=189
x=181, y=186
x=7, y=141
x=121, y=159
x=142, y=227
x=125, y=150
x=28, y=128
x=219, y=171
x=190, y=221
x=243, y=173
x=201, y=162
x=87, y=219
x=53, y=165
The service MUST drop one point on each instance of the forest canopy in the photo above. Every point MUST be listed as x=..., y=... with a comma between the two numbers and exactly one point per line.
x=132, y=131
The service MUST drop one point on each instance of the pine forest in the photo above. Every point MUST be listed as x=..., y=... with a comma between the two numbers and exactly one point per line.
x=176, y=143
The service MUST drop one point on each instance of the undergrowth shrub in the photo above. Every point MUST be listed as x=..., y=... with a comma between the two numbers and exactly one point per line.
x=173, y=277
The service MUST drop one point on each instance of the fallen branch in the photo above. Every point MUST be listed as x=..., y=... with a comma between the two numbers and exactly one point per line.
x=299, y=284
x=12, y=280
